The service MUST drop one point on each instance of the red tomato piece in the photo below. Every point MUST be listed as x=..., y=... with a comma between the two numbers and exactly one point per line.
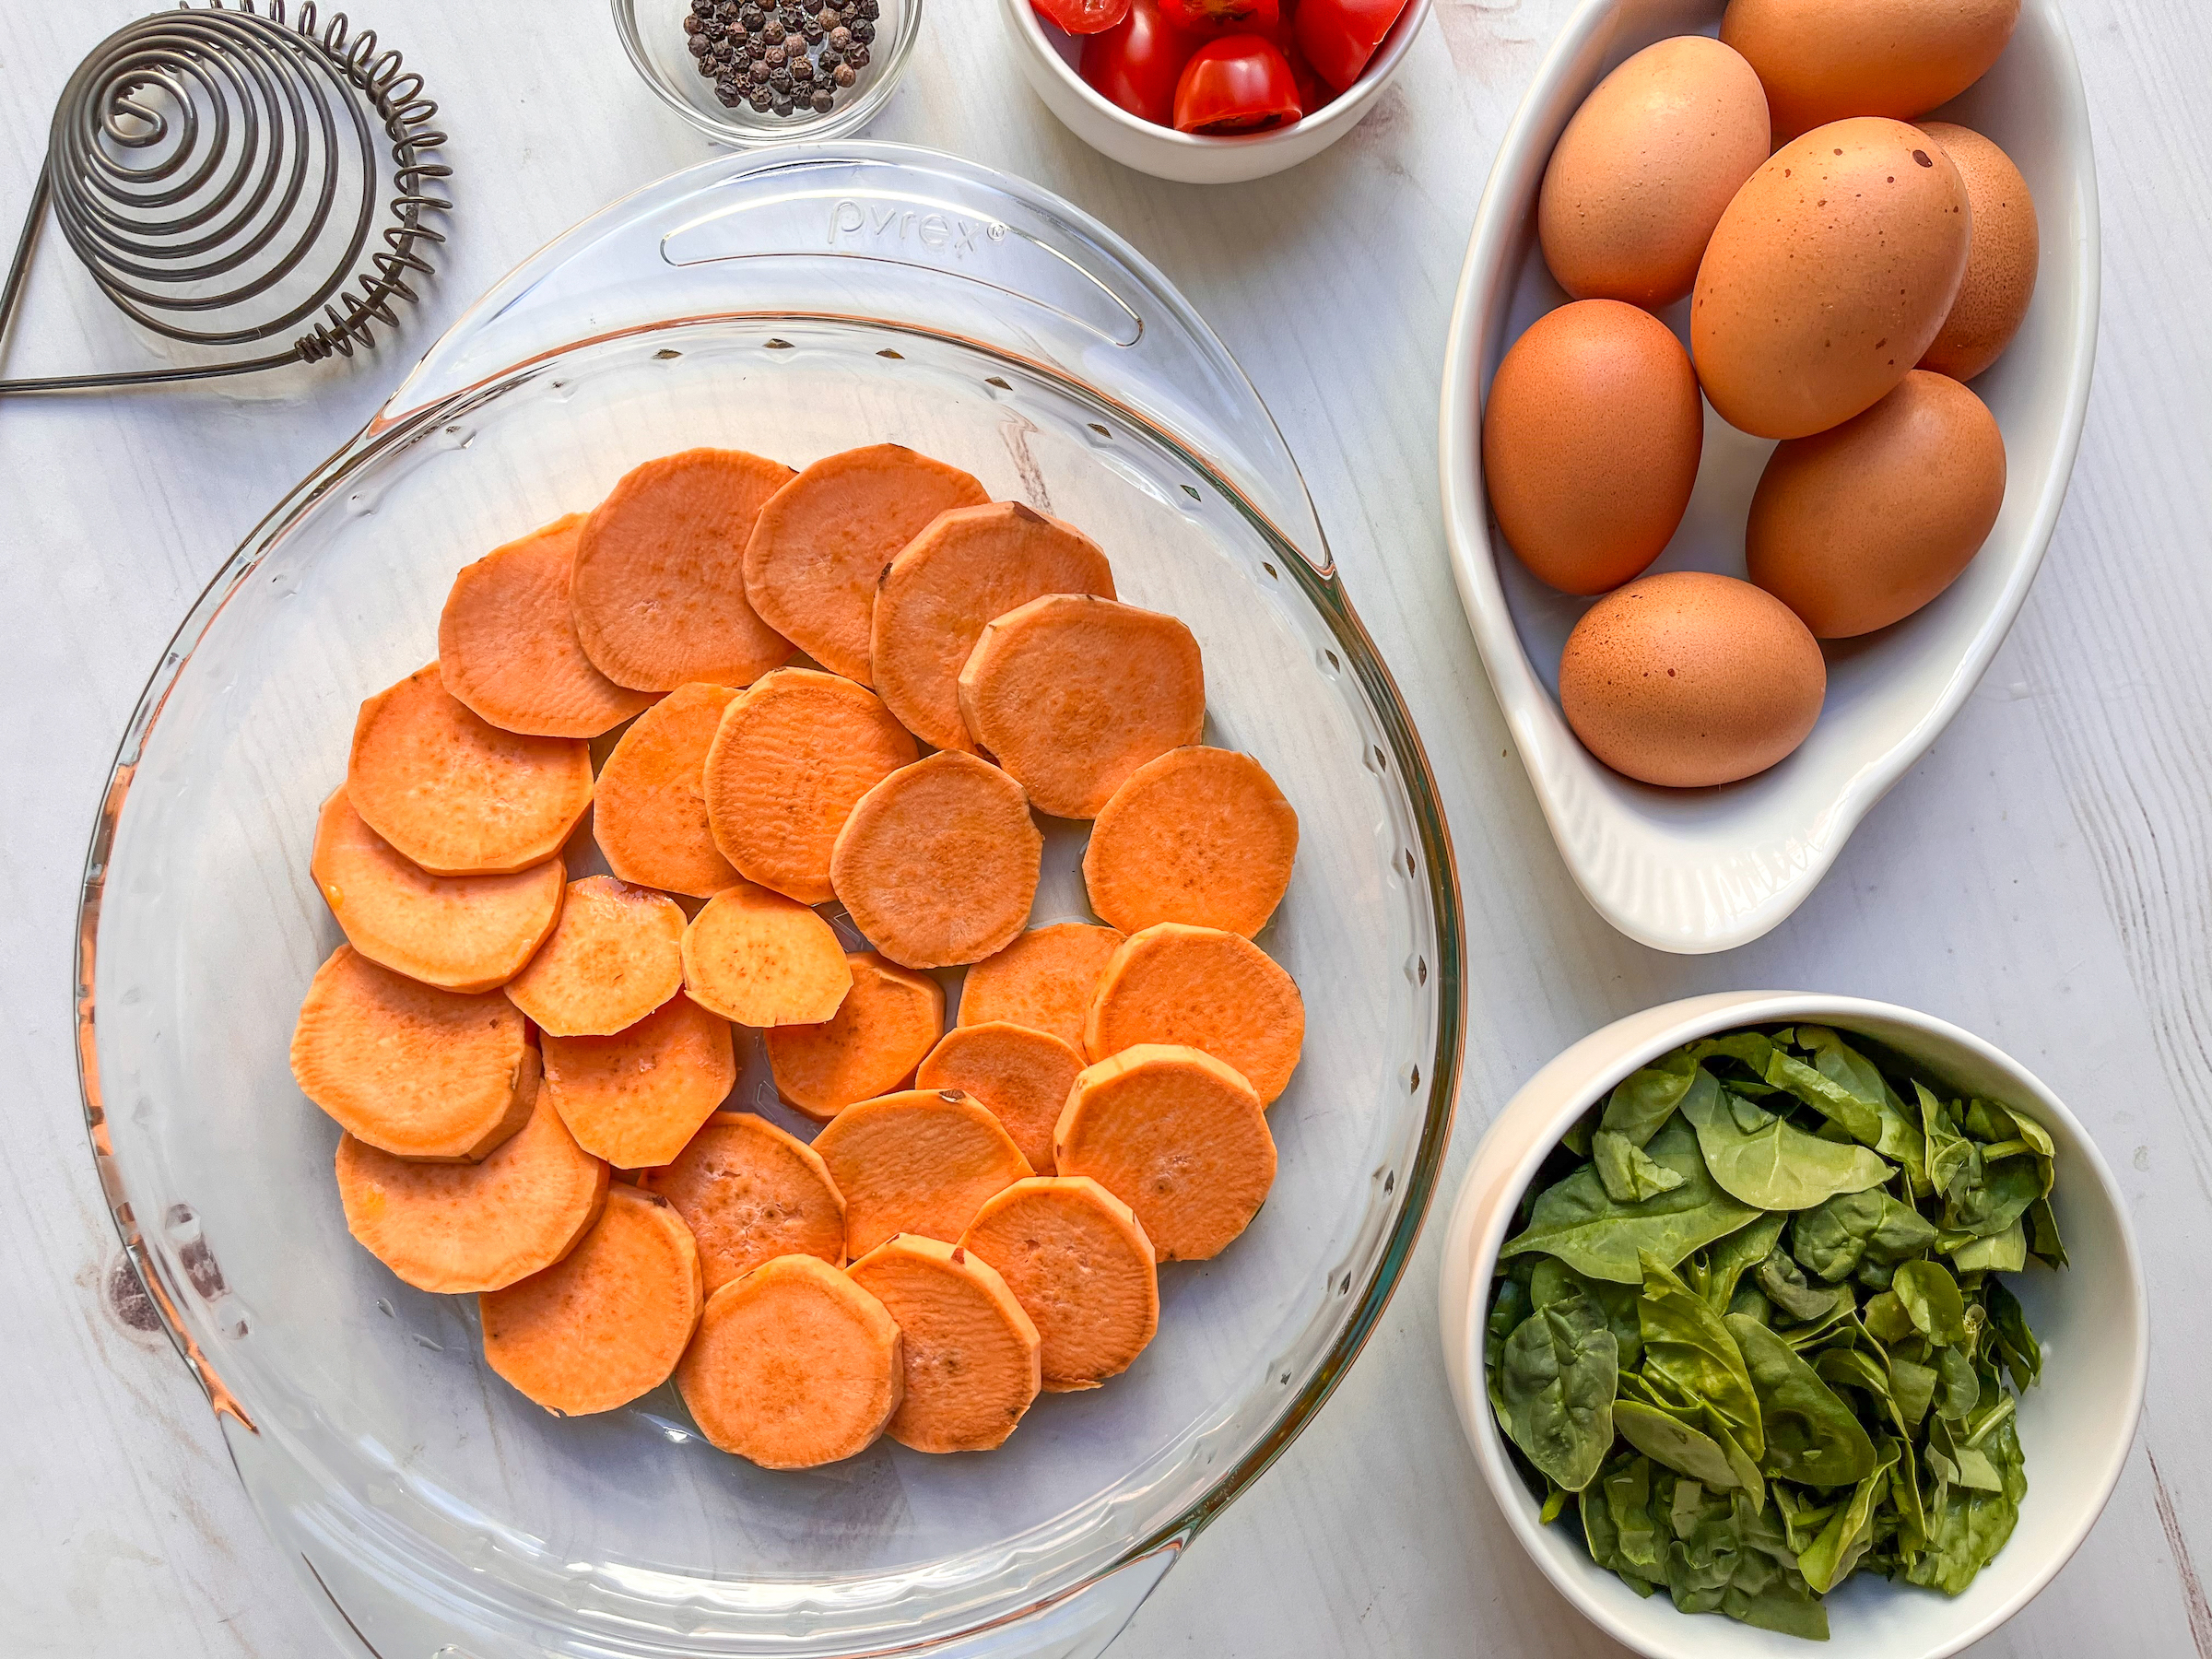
x=1082, y=16
x=1135, y=64
x=1223, y=17
x=1313, y=93
x=1238, y=84
x=1339, y=36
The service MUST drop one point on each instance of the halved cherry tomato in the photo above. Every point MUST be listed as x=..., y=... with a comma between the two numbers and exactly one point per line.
x=1082, y=16
x=1212, y=18
x=1238, y=84
x=1339, y=36
x=1135, y=63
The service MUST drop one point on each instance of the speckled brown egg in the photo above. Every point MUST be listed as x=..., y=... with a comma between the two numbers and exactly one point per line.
x=1822, y=60
x=2000, y=265
x=1829, y=275
x=1691, y=679
x=1646, y=168
x=1855, y=528
x=1590, y=443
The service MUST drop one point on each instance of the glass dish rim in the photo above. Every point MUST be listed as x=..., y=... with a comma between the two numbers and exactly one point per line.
x=1321, y=586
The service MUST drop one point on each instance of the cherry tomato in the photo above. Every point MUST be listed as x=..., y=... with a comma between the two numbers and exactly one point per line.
x=1082, y=16
x=1135, y=63
x=1238, y=84
x=1339, y=36
x=1223, y=17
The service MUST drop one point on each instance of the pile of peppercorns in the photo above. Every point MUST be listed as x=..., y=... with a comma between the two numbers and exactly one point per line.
x=795, y=57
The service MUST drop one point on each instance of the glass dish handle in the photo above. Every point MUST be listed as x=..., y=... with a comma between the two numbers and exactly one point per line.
x=898, y=235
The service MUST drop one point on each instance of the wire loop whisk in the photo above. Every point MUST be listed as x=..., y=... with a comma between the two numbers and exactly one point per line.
x=217, y=170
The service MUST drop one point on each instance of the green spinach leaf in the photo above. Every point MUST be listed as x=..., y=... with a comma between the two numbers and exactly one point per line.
x=1811, y=1436
x=1686, y=1344
x=1628, y=1173
x=1772, y=1165
x=2015, y=1345
x=1715, y=1272
x=1558, y=1375
x=2003, y=1253
x=1931, y=1300
x=1577, y=1220
x=1849, y=1533
x=1834, y=1240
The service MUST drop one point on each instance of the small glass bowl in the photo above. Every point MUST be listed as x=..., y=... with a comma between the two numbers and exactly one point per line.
x=652, y=34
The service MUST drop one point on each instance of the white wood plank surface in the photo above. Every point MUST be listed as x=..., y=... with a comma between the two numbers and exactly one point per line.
x=2044, y=877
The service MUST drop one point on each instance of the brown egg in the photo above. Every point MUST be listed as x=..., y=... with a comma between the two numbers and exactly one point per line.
x=1857, y=527
x=1590, y=443
x=1829, y=275
x=1645, y=169
x=1822, y=60
x=1691, y=679
x=2000, y=265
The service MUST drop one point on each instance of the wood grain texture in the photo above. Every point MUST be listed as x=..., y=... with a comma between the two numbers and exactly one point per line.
x=2044, y=877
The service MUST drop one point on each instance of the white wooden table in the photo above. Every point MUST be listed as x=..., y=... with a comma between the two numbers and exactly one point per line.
x=2043, y=878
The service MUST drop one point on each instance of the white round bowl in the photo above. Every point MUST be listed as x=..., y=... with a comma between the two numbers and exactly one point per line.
x=1187, y=158
x=2077, y=1424
x=1700, y=870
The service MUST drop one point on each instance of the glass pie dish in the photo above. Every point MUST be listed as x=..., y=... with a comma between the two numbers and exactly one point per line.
x=794, y=303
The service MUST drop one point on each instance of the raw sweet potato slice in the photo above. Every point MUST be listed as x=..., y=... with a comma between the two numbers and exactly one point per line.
x=762, y=960
x=750, y=1193
x=461, y=933
x=1201, y=836
x=636, y=1097
x=648, y=810
x=615, y=954
x=455, y=794
x=938, y=863
x=607, y=1323
x=791, y=758
x=969, y=565
x=814, y=559
x=869, y=1047
x=1072, y=694
x=919, y=1162
x=794, y=1366
x=1205, y=989
x=507, y=642
x=1043, y=980
x=1020, y=1076
x=407, y=1068
x=658, y=592
x=1082, y=1269
x=457, y=1228
x=1178, y=1136
x=970, y=1352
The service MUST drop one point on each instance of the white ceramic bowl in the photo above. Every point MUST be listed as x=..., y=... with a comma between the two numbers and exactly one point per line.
x=1187, y=158
x=2077, y=1424
x=1710, y=869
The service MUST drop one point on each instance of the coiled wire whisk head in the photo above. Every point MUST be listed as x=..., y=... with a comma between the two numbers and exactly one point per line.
x=218, y=170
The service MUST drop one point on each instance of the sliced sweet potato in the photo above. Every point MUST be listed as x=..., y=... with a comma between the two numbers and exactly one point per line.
x=636, y=1097
x=1082, y=1269
x=970, y=1352
x=460, y=933
x=791, y=758
x=1205, y=989
x=1043, y=980
x=407, y=1068
x=507, y=642
x=969, y=565
x=1178, y=1136
x=1201, y=836
x=658, y=591
x=649, y=811
x=455, y=794
x=918, y=1163
x=1020, y=1076
x=887, y=1021
x=814, y=559
x=607, y=1323
x=615, y=954
x=938, y=863
x=762, y=960
x=750, y=1193
x=794, y=1366
x=1073, y=693
x=458, y=1228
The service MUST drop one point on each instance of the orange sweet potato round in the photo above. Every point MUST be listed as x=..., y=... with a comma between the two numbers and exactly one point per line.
x=636, y=1097
x=1043, y=980
x=1206, y=989
x=1019, y=1076
x=615, y=954
x=918, y=1163
x=1082, y=1269
x=1201, y=836
x=869, y=1047
x=759, y=958
x=970, y=1352
x=750, y=1193
x=648, y=810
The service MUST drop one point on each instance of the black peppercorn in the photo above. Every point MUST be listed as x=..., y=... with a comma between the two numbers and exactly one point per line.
x=864, y=31
x=857, y=57
x=751, y=15
x=841, y=37
x=870, y=10
x=692, y=24
x=784, y=106
x=775, y=57
x=755, y=50
x=845, y=75
x=824, y=102
x=773, y=32
x=703, y=8
x=698, y=46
